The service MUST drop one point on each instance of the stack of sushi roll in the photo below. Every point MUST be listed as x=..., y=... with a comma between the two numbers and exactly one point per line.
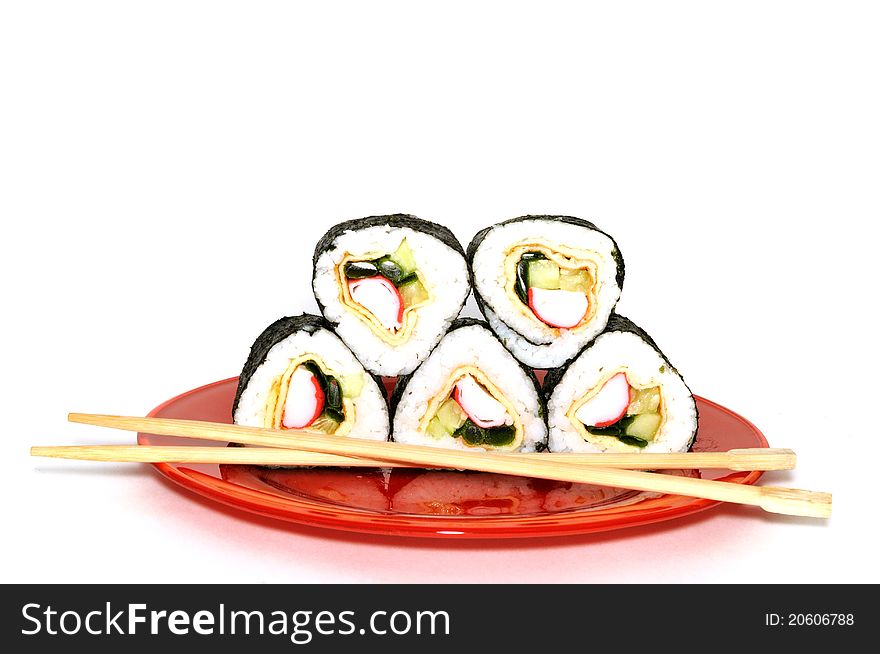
x=390, y=289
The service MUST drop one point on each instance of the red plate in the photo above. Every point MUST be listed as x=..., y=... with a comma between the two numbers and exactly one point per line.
x=444, y=504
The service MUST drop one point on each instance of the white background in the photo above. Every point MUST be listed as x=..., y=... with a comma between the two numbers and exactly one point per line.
x=166, y=168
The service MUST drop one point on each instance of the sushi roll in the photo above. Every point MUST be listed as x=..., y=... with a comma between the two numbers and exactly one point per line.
x=470, y=393
x=621, y=394
x=546, y=284
x=390, y=285
x=300, y=375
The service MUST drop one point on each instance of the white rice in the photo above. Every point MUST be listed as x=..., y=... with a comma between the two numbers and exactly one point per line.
x=371, y=410
x=530, y=340
x=475, y=346
x=443, y=272
x=644, y=368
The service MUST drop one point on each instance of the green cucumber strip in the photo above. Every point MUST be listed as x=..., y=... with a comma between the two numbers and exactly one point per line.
x=522, y=275
x=413, y=292
x=436, y=429
x=644, y=426
x=404, y=258
x=451, y=415
x=574, y=280
x=618, y=431
x=543, y=273
x=352, y=385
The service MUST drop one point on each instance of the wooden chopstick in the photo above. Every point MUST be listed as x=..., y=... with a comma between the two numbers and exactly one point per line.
x=743, y=459
x=195, y=454
x=773, y=499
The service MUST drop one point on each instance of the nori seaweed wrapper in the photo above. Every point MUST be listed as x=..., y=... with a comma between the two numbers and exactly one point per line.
x=616, y=323
x=459, y=323
x=274, y=334
x=396, y=220
x=571, y=220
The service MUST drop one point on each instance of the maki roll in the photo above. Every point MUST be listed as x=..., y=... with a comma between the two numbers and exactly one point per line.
x=470, y=393
x=390, y=285
x=300, y=375
x=621, y=394
x=546, y=284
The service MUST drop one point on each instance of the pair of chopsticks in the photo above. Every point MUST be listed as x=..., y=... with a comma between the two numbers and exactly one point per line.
x=292, y=447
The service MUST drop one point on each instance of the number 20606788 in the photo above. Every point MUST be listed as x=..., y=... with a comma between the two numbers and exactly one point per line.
x=809, y=619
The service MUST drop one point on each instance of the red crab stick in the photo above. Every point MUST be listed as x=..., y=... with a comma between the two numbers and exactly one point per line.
x=381, y=298
x=608, y=405
x=483, y=409
x=557, y=308
x=305, y=399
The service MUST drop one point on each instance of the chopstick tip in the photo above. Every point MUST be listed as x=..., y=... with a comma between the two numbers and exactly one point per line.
x=792, y=501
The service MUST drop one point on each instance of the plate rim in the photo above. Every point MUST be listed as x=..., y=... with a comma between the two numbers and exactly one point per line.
x=353, y=519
